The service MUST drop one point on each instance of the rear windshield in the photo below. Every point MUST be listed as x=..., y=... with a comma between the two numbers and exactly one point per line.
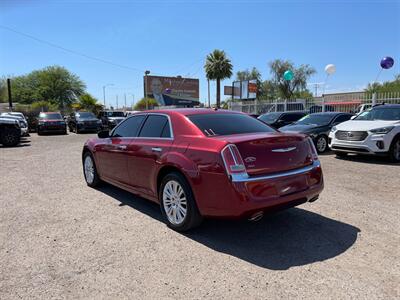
x=226, y=124
x=115, y=114
x=50, y=116
x=269, y=118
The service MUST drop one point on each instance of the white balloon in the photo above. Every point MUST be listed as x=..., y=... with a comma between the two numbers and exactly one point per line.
x=330, y=69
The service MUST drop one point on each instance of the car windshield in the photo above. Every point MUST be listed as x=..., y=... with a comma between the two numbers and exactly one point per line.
x=53, y=116
x=386, y=114
x=315, y=119
x=85, y=115
x=226, y=124
x=115, y=114
x=269, y=118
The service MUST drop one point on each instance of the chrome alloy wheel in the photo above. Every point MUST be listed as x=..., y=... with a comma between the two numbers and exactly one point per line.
x=174, y=202
x=89, y=169
x=321, y=144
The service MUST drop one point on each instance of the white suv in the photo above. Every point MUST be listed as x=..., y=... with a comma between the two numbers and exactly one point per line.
x=376, y=131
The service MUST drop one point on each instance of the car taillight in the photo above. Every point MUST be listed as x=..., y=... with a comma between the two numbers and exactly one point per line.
x=314, y=152
x=233, y=160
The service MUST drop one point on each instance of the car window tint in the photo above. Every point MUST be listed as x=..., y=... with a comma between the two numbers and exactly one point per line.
x=129, y=127
x=226, y=124
x=342, y=118
x=291, y=117
x=166, y=132
x=153, y=126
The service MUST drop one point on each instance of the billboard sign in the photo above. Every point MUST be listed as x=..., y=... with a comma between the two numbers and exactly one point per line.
x=172, y=90
x=245, y=90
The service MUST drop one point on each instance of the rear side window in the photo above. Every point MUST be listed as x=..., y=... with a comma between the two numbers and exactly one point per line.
x=129, y=127
x=155, y=126
x=342, y=118
x=226, y=124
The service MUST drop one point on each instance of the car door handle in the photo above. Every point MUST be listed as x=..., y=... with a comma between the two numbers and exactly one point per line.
x=156, y=149
x=122, y=147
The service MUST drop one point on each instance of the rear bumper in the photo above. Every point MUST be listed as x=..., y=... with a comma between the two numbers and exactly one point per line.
x=241, y=198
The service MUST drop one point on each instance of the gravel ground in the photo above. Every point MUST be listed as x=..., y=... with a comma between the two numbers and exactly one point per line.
x=62, y=239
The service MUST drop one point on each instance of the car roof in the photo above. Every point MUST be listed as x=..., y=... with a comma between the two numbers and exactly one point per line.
x=331, y=113
x=193, y=111
x=382, y=106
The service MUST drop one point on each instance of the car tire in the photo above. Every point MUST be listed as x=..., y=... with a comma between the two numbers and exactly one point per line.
x=10, y=136
x=90, y=171
x=321, y=143
x=177, y=202
x=341, y=154
x=394, y=152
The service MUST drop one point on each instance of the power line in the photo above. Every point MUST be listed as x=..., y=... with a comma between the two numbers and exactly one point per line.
x=70, y=51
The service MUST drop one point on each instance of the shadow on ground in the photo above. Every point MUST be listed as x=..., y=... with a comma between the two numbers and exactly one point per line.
x=368, y=159
x=294, y=237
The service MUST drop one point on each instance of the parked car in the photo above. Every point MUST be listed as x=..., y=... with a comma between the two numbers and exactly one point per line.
x=318, y=126
x=83, y=121
x=200, y=163
x=280, y=119
x=111, y=118
x=23, y=123
x=51, y=122
x=10, y=131
x=374, y=132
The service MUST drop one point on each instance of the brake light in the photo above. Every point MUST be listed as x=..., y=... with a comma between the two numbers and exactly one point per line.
x=314, y=153
x=233, y=160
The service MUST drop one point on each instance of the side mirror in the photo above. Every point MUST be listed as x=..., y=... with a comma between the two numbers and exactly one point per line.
x=103, y=134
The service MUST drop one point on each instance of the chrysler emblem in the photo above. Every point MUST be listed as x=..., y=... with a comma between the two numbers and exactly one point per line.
x=250, y=159
x=284, y=149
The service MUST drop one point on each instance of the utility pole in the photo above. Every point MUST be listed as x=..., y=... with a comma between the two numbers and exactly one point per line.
x=208, y=83
x=117, y=100
x=147, y=72
x=9, y=94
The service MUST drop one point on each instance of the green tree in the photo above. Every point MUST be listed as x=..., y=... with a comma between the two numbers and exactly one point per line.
x=54, y=84
x=89, y=103
x=218, y=67
x=386, y=87
x=286, y=89
x=145, y=103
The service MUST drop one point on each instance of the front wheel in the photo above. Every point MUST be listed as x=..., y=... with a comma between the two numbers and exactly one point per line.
x=394, y=151
x=10, y=136
x=321, y=144
x=89, y=170
x=178, y=205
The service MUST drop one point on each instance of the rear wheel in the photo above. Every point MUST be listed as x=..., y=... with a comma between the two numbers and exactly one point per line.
x=178, y=205
x=10, y=136
x=394, y=151
x=89, y=170
x=321, y=144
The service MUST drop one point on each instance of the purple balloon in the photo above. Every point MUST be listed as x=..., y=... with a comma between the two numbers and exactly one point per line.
x=387, y=62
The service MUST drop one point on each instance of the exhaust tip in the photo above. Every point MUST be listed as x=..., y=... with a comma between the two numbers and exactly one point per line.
x=257, y=216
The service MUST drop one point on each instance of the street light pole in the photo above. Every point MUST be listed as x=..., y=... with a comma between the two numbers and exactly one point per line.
x=117, y=100
x=104, y=92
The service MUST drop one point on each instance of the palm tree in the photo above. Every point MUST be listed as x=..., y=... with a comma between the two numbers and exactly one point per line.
x=218, y=67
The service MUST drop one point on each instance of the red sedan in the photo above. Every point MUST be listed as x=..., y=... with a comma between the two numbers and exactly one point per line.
x=200, y=163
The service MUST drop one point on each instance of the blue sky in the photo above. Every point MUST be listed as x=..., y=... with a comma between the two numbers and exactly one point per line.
x=173, y=38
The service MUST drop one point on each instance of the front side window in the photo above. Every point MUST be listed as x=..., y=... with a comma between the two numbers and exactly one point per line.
x=129, y=127
x=155, y=126
x=227, y=124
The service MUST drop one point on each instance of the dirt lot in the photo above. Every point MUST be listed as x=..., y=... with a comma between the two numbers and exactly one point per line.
x=62, y=239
